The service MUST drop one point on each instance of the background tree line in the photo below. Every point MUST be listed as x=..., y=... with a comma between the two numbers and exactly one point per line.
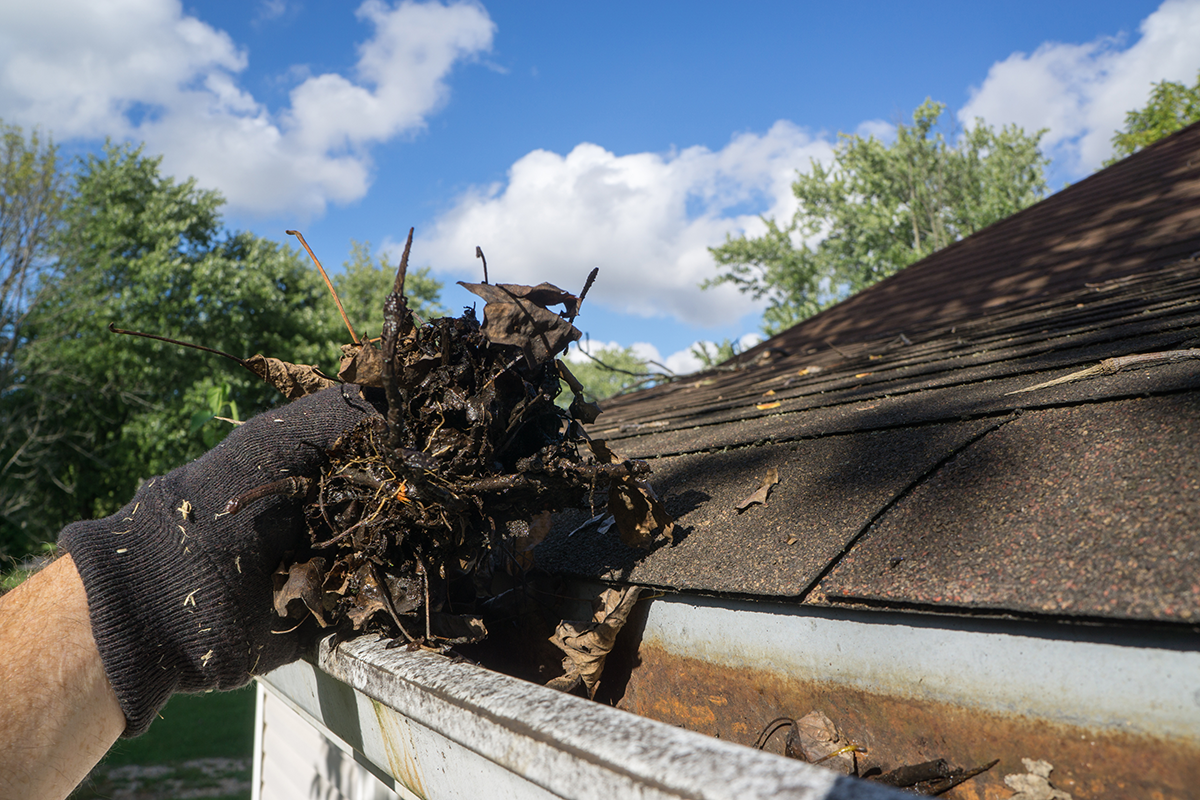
x=85, y=415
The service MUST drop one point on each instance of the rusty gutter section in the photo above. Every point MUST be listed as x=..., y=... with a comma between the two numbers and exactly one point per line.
x=1115, y=710
x=441, y=729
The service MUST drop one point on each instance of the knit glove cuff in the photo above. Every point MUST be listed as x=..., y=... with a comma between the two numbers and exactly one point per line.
x=180, y=592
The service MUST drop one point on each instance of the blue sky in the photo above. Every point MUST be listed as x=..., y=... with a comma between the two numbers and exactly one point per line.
x=562, y=136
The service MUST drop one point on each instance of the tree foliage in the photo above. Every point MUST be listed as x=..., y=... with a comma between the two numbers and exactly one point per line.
x=139, y=250
x=610, y=371
x=367, y=280
x=1171, y=107
x=31, y=196
x=712, y=354
x=878, y=208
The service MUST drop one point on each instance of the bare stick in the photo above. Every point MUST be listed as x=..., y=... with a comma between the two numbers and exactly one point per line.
x=112, y=327
x=591, y=278
x=398, y=288
x=1111, y=366
x=479, y=255
x=397, y=319
x=336, y=299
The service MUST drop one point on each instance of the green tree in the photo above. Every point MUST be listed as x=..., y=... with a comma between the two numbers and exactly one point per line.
x=878, y=208
x=712, y=354
x=1171, y=106
x=139, y=250
x=368, y=279
x=610, y=371
x=31, y=196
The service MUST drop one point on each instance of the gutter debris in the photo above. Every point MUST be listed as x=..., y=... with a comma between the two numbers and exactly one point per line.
x=426, y=512
x=815, y=739
x=1035, y=783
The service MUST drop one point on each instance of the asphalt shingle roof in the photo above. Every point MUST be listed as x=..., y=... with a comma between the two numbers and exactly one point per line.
x=911, y=474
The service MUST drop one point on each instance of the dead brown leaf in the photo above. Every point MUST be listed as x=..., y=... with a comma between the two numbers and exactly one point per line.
x=300, y=582
x=762, y=492
x=294, y=380
x=362, y=363
x=587, y=644
x=517, y=315
x=367, y=600
x=814, y=738
x=639, y=513
x=456, y=628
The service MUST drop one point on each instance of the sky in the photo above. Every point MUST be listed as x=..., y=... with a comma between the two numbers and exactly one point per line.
x=559, y=137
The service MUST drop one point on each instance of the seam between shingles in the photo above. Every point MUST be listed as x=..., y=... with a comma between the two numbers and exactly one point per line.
x=900, y=495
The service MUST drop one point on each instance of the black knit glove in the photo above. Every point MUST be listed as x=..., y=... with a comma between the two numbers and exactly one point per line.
x=179, y=592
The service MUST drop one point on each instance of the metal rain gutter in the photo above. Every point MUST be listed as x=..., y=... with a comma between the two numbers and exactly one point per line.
x=445, y=729
x=1114, y=709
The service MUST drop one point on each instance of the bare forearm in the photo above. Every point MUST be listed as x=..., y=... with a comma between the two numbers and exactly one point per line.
x=58, y=712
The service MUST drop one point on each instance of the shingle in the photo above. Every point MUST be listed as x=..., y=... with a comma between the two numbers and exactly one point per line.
x=1072, y=500
x=1091, y=510
x=829, y=489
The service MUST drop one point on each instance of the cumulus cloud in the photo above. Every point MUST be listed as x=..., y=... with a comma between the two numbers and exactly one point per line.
x=646, y=219
x=681, y=362
x=144, y=70
x=1082, y=91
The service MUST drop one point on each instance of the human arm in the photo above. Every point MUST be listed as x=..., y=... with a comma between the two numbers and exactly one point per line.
x=172, y=592
x=58, y=712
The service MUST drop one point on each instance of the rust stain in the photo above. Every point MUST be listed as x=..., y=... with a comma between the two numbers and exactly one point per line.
x=736, y=704
x=401, y=758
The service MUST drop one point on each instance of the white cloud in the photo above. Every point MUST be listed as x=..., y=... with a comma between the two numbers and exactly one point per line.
x=144, y=70
x=645, y=219
x=681, y=362
x=1082, y=91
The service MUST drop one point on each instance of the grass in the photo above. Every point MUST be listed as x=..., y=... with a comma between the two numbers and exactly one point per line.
x=219, y=725
x=191, y=726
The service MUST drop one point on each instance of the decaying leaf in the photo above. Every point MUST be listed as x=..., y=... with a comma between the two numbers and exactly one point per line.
x=933, y=777
x=294, y=380
x=362, y=363
x=581, y=408
x=762, y=492
x=302, y=581
x=456, y=628
x=587, y=644
x=425, y=514
x=639, y=513
x=814, y=738
x=1035, y=783
x=518, y=315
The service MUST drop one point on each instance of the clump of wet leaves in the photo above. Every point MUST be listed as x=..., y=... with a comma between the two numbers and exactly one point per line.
x=425, y=512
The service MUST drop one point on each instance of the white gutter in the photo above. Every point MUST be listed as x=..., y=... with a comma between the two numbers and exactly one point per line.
x=455, y=730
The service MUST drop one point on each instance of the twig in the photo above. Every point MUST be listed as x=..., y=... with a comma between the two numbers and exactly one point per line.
x=1111, y=366
x=769, y=731
x=591, y=278
x=402, y=271
x=241, y=361
x=336, y=299
x=479, y=255
x=843, y=353
x=665, y=374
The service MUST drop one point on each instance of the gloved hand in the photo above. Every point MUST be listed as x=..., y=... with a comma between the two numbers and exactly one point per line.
x=179, y=592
